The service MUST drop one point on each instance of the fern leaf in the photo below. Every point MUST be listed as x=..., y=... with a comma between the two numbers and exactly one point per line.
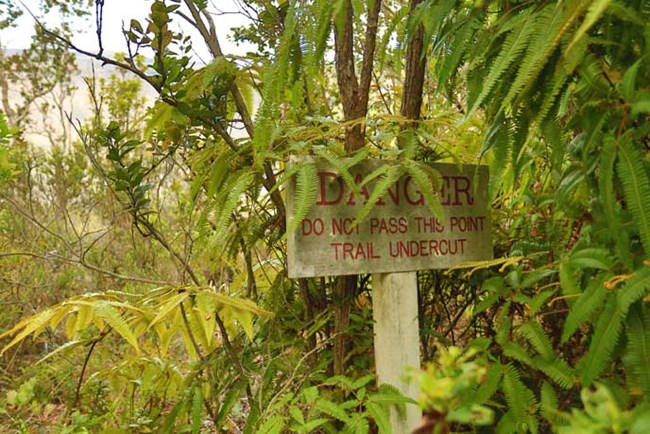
x=550, y=26
x=557, y=370
x=517, y=352
x=428, y=181
x=536, y=336
x=381, y=416
x=595, y=11
x=342, y=166
x=605, y=338
x=512, y=49
x=521, y=400
x=381, y=187
x=331, y=409
x=583, y=308
x=304, y=196
x=633, y=289
x=638, y=349
x=236, y=189
x=549, y=407
x=273, y=425
x=608, y=198
x=636, y=186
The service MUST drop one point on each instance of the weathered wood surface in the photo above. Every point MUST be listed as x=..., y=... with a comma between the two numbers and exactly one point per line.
x=400, y=233
x=397, y=343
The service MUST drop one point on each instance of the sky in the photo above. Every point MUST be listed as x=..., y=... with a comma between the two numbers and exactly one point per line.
x=117, y=12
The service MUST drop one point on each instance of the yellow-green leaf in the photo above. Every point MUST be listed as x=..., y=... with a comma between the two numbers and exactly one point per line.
x=115, y=320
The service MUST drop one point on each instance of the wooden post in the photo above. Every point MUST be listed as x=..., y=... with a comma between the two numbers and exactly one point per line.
x=397, y=343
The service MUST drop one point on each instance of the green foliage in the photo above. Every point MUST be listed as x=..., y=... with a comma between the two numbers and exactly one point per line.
x=317, y=408
x=456, y=387
x=146, y=256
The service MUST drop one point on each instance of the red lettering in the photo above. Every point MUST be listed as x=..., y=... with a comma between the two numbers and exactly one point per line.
x=322, y=176
x=458, y=180
x=343, y=226
x=467, y=224
x=315, y=227
x=336, y=250
x=425, y=248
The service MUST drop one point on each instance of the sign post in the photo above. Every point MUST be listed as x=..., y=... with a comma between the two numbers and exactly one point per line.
x=400, y=234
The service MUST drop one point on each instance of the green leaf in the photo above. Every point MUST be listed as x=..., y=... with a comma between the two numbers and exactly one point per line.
x=197, y=410
x=605, y=338
x=273, y=425
x=33, y=324
x=304, y=196
x=636, y=186
x=331, y=409
x=169, y=306
x=584, y=308
x=632, y=290
x=637, y=357
x=591, y=258
x=596, y=9
x=380, y=414
x=115, y=320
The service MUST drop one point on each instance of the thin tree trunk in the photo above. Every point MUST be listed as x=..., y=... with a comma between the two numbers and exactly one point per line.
x=354, y=97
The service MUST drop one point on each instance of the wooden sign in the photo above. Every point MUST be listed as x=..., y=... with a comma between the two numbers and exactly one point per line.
x=400, y=233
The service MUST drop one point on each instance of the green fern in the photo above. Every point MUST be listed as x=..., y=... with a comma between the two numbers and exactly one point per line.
x=342, y=166
x=428, y=181
x=633, y=289
x=512, y=49
x=636, y=186
x=557, y=370
x=601, y=348
x=608, y=197
x=536, y=336
x=393, y=173
x=521, y=400
x=551, y=24
x=304, y=195
x=584, y=308
x=234, y=189
x=638, y=348
x=517, y=352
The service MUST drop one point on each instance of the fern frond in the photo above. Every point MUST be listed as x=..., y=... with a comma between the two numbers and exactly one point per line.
x=605, y=338
x=463, y=37
x=636, y=186
x=520, y=398
x=512, y=49
x=637, y=356
x=428, y=181
x=608, y=198
x=557, y=370
x=234, y=190
x=381, y=187
x=517, y=352
x=595, y=11
x=536, y=336
x=551, y=24
x=633, y=289
x=583, y=308
x=305, y=194
x=342, y=166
